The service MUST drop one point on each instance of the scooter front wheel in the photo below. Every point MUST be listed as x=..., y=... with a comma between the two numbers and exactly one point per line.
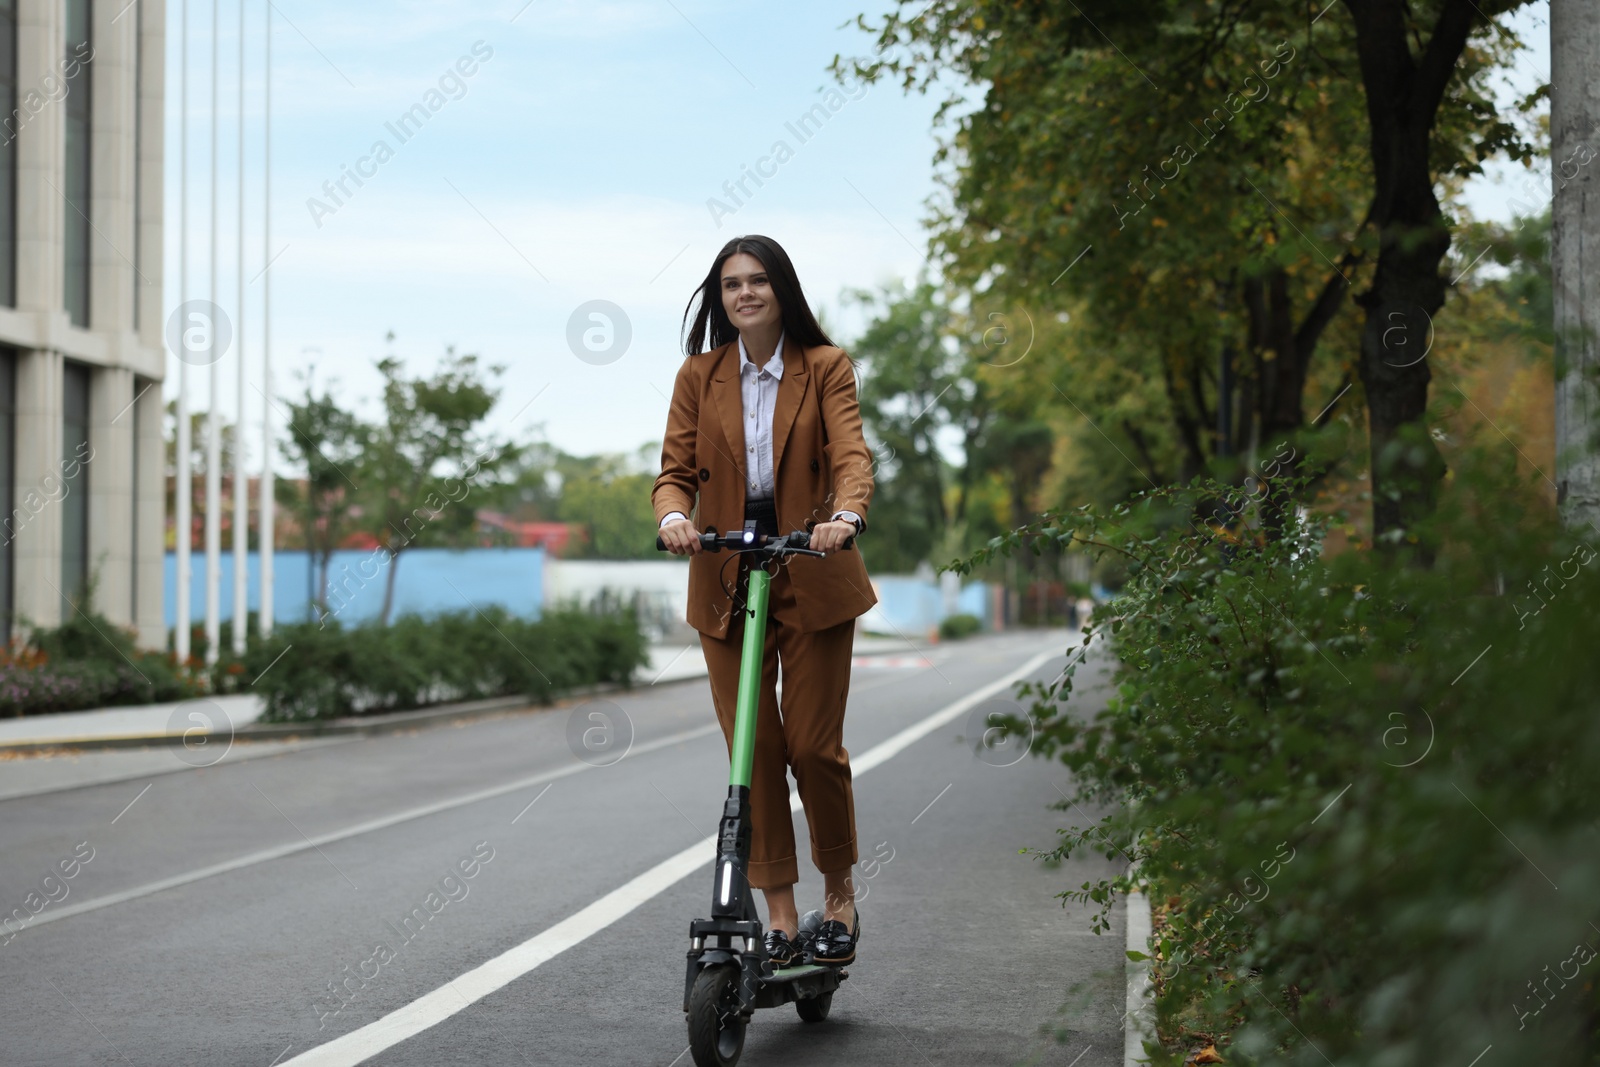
x=716, y=1029
x=814, y=1009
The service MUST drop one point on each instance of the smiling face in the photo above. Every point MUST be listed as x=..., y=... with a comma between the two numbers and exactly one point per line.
x=747, y=296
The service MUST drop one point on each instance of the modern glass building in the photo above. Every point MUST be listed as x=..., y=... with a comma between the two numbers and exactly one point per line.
x=81, y=349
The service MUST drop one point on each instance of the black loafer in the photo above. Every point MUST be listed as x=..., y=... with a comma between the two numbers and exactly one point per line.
x=781, y=952
x=833, y=944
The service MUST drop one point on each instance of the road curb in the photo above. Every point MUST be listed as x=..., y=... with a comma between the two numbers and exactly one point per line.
x=352, y=725
x=1139, y=1020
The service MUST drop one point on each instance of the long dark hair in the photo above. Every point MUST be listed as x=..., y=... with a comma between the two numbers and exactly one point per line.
x=799, y=325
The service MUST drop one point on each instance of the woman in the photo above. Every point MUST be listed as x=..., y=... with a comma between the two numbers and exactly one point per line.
x=765, y=426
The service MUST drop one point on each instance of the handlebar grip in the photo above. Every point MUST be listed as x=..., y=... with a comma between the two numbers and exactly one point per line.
x=708, y=541
x=849, y=542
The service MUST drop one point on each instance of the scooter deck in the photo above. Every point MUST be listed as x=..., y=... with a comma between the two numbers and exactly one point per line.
x=801, y=982
x=803, y=970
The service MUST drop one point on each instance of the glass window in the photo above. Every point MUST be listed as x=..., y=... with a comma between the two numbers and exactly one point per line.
x=136, y=413
x=8, y=530
x=75, y=67
x=74, y=483
x=10, y=120
x=138, y=161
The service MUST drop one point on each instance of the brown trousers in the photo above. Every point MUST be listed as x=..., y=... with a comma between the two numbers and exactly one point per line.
x=807, y=735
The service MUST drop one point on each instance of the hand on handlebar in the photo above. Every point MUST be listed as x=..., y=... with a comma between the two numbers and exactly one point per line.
x=830, y=537
x=681, y=538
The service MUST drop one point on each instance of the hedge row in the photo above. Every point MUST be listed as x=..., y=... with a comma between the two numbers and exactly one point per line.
x=955, y=627
x=88, y=662
x=1361, y=789
x=307, y=671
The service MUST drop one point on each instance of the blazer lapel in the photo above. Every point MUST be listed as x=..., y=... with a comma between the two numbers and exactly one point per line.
x=730, y=407
x=791, y=390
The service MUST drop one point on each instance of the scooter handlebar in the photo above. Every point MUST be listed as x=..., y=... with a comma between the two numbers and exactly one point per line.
x=794, y=542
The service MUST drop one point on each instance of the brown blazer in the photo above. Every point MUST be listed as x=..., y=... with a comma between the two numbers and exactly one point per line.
x=821, y=465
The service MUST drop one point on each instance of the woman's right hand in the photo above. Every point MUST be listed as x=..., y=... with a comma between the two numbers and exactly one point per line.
x=680, y=537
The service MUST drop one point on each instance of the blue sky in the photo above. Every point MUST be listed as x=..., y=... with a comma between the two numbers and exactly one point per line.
x=572, y=164
x=575, y=165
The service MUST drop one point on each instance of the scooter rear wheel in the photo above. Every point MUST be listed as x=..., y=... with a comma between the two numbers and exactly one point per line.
x=814, y=1009
x=716, y=1029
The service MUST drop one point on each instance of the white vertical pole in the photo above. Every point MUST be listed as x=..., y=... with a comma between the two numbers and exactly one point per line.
x=183, y=490
x=213, y=420
x=1575, y=224
x=266, y=508
x=241, y=479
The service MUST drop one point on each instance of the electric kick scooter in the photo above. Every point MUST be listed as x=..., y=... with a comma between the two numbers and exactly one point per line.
x=729, y=974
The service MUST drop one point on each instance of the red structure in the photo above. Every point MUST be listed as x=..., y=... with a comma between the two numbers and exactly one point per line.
x=551, y=536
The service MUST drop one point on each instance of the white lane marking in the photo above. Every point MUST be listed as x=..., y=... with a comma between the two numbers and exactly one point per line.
x=455, y=995
x=912, y=734
x=306, y=843
x=876, y=662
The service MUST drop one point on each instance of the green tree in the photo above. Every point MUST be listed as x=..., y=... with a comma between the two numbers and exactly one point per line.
x=1524, y=249
x=1229, y=175
x=529, y=486
x=426, y=455
x=915, y=384
x=328, y=443
x=608, y=496
x=956, y=420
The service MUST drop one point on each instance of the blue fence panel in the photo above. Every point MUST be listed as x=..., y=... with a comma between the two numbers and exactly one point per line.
x=975, y=600
x=914, y=606
x=429, y=581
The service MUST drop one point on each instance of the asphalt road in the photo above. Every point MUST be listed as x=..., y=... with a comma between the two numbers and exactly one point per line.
x=210, y=915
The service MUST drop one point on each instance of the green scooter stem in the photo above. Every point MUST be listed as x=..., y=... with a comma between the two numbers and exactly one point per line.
x=742, y=758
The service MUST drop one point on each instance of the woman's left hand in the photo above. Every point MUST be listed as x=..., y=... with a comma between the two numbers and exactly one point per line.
x=829, y=537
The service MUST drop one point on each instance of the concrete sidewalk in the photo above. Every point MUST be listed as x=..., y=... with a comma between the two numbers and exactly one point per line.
x=228, y=715
x=140, y=720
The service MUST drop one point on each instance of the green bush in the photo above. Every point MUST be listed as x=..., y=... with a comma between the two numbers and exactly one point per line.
x=309, y=672
x=1351, y=785
x=88, y=662
x=955, y=627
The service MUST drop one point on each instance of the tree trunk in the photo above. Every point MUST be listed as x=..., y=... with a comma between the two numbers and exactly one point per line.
x=1282, y=353
x=1574, y=144
x=1406, y=467
x=323, y=555
x=1193, y=456
x=1403, y=96
x=388, y=585
x=320, y=552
